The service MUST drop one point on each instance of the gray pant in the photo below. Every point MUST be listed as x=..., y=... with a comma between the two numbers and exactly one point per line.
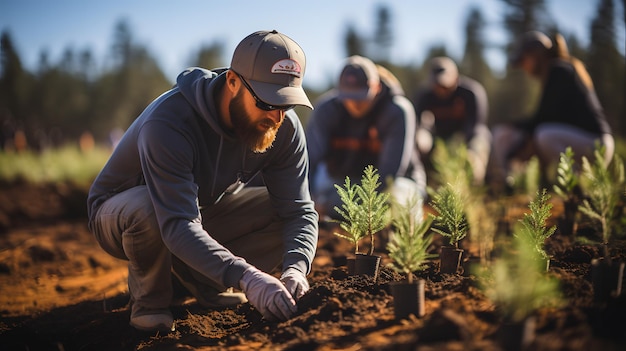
x=126, y=227
x=548, y=141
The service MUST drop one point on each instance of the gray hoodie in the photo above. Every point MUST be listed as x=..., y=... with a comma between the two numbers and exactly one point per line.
x=384, y=137
x=179, y=150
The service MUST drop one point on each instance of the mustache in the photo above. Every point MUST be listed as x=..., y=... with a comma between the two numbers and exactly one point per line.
x=268, y=122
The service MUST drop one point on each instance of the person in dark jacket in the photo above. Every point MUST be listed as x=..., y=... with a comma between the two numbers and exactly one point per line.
x=453, y=107
x=173, y=197
x=365, y=120
x=569, y=112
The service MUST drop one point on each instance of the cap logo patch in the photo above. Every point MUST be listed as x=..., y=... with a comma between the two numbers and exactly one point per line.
x=287, y=66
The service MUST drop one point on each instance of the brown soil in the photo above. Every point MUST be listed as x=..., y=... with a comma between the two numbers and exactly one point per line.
x=60, y=291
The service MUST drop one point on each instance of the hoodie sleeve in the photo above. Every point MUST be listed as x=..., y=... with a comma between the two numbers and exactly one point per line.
x=477, y=107
x=286, y=178
x=397, y=126
x=166, y=156
x=318, y=133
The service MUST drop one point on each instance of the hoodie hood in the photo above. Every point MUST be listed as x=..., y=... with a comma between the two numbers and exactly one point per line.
x=390, y=87
x=199, y=87
x=391, y=84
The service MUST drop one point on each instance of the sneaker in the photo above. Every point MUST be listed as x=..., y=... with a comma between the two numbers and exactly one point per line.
x=161, y=322
x=205, y=294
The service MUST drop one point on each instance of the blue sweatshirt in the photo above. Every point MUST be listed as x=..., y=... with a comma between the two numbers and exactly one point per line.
x=178, y=148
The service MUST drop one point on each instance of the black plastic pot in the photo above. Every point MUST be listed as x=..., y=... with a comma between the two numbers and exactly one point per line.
x=517, y=336
x=408, y=298
x=606, y=279
x=367, y=265
x=449, y=259
x=469, y=265
x=567, y=222
x=350, y=264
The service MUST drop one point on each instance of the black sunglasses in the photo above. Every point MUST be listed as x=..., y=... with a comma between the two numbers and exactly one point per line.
x=259, y=103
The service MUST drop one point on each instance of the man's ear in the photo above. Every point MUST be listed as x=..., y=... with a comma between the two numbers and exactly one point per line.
x=231, y=80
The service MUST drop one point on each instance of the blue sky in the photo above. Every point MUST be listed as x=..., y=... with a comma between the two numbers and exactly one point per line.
x=173, y=30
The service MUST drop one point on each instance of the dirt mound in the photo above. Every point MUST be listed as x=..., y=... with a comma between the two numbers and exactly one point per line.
x=60, y=291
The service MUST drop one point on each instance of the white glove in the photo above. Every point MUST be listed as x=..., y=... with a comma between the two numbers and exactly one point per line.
x=267, y=294
x=295, y=282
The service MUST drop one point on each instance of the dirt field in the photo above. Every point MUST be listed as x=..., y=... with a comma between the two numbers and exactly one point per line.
x=60, y=291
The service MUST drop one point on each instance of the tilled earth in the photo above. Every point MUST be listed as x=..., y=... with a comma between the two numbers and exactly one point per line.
x=60, y=291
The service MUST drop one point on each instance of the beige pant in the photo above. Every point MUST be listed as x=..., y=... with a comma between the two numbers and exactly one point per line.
x=547, y=143
x=126, y=228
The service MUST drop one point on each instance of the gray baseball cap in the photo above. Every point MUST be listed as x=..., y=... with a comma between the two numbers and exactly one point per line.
x=357, y=77
x=273, y=64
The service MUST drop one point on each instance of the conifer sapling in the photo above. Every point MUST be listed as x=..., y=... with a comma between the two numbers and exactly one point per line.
x=516, y=287
x=451, y=220
x=603, y=187
x=534, y=223
x=566, y=180
x=408, y=244
x=365, y=210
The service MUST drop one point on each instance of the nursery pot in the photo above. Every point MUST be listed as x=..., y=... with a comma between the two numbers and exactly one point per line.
x=350, y=264
x=517, y=336
x=366, y=264
x=469, y=264
x=450, y=259
x=567, y=222
x=606, y=279
x=408, y=298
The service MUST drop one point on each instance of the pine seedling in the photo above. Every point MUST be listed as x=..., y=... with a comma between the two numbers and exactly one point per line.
x=532, y=176
x=515, y=282
x=603, y=186
x=351, y=212
x=450, y=162
x=534, y=223
x=482, y=226
x=524, y=178
x=567, y=188
x=408, y=244
x=567, y=179
x=450, y=220
x=364, y=209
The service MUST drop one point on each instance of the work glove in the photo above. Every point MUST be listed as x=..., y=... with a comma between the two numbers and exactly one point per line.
x=267, y=294
x=295, y=282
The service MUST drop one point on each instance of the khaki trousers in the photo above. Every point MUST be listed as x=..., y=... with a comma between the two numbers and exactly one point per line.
x=126, y=227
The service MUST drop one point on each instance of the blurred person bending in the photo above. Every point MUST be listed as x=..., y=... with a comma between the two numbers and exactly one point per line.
x=453, y=107
x=365, y=120
x=569, y=112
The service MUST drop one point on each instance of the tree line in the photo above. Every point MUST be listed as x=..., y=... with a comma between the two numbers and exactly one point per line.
x=61, y=101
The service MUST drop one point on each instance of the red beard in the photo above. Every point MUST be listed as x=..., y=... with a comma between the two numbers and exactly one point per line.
x=257, y=135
